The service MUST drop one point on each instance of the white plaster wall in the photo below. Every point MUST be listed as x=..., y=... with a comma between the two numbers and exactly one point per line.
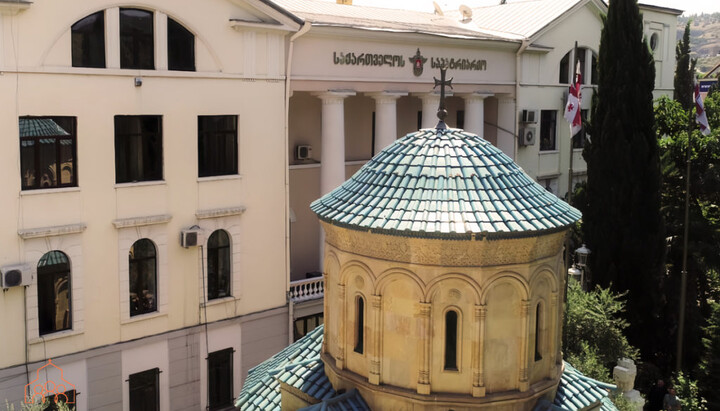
x=220, y=338
x=147, y=357
x=68, y=374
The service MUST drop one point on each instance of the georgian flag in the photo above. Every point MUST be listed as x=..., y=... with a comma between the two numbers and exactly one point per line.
x=572, y=108
x=700, y=116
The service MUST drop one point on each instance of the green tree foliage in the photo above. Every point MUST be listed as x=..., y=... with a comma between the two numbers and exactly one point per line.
x=622, y=224
x=684, y=71
x=39, y=406
x=704, y=216
x=689, y=394
x=709, y=380
x=593, y=335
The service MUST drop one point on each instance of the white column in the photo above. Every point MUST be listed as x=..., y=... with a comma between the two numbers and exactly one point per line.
x=430, y=105
x=475, y=112
x=507, y=130
x=332, y=148
x=385, y=118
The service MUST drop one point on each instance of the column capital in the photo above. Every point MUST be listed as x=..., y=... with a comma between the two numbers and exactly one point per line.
x=334, y=96
x=424, y=309
x=480, y=311
x=476, y=95
x=386, y=96
x=376, y=301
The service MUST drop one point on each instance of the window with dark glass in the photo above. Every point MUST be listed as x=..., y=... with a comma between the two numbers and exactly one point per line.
x=181, y=47
x=538, y=336
x=359, y=325
x=460, y=119
x=548, y=122
x=53, y=401
x=143, y=277
x=88, y=41
x=565, y=69
x=137, y=45
x=218, y=265
x=217, y=145
x=47, y=152
x=451, y=321
x=145, y=390
x=578, y=140
x=220, y=379
x=138, y=148
x=594, y=69
x=304, y=325
x=54, y=293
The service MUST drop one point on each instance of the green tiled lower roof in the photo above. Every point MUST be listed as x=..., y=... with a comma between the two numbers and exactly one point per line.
x=577, y=391
x=444, y=184
x=350, y=401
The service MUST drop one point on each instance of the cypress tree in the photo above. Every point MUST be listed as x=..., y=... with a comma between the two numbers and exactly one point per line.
x=684, y=71
x=622, y=224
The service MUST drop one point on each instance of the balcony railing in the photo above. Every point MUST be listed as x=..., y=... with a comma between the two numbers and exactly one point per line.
x=308, y=289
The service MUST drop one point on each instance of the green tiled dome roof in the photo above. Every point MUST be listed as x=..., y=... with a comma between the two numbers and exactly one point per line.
x=444, y=184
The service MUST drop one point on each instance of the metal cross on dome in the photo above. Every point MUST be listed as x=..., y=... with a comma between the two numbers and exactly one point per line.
x=442, y=111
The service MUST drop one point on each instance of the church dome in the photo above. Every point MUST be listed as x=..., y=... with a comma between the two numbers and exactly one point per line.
x=446, y=184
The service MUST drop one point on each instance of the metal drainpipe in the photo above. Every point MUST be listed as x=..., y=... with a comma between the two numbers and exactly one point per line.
x=288, y=69
x=523, y=46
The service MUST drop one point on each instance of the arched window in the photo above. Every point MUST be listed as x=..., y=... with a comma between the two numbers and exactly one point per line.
x=538, y=333
x=359, y=324
x=218, y=265
x=567, y=67
x=54, y=293
x=143, y=277
x=181, y=47
x=88, y=41
x=137, y=44
x=451, y=340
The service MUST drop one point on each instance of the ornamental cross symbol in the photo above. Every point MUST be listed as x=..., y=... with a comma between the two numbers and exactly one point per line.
x=442, y=111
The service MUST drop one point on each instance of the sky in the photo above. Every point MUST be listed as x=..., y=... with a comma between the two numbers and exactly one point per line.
x=690, y=6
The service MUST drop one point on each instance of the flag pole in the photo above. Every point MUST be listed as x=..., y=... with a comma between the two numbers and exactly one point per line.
x=570, y=174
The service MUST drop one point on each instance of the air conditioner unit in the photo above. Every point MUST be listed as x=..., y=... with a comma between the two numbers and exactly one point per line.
x=526, y=136
x=529, y=116
x=191, y=237
x=16, y=275
x=303, y=152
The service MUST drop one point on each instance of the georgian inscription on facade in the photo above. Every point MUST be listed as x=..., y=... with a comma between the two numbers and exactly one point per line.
x=398, y=60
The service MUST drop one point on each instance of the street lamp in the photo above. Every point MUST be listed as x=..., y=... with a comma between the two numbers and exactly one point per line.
x=581, y=255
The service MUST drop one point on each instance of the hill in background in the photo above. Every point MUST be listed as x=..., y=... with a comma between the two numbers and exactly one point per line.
x=704, y=38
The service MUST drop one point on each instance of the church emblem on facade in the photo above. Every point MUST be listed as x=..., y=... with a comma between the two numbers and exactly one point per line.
x=417, y=62
x=37, y=391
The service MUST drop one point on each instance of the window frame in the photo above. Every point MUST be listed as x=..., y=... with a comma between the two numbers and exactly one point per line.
x=138, y=262
x=180, y=31
x=43, y=310
x=154, y=374
x=359, y=341
x=87, y=58
x=138, y=143
x=212, y=140
x=539, y=320
x=213, y=256
x=224, y=359
x=451, y=340
x=135, y=56
x=548, y=126
x=37, y=168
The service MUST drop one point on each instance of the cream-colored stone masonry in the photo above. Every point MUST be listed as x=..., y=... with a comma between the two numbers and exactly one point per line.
x=507, y=296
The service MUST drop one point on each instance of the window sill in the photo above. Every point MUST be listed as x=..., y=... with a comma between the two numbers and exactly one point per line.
x=49, y=191
x=55, y=336
x=220, y=178
x=549, y=152
x=141, y=184
x=219, y=301
x=142, y=317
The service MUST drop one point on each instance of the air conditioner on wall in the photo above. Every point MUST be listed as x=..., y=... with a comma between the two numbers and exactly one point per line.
x=529, y=116
x=16, y=275
x=303, y=152
x=191, y=237
x=526, y=136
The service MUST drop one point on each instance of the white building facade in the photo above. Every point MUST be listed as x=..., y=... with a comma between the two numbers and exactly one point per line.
x=125, y=127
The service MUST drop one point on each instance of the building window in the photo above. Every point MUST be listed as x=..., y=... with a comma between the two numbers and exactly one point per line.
x=304, y=325
x=538, y=335
x=54, y=293
x=144, y=390
x=47, y=152
x=53, y=401
x=88, y=41
x=181, y=47
x=138, y=148
x=359, y=325
x=143, y=277
x=565, y=69
x=220, y=379
x=451, y=331
x=137, y=46
x=218, y=265
x=217, y=145
x=578, y=140
x=548, y=122
x=594, y=69
x=460, y=119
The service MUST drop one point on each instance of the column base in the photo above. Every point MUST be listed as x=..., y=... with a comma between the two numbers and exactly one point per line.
x=340, y=363
x=374, y=379
x=524, y=386
x=423, y=389
x=478, y=391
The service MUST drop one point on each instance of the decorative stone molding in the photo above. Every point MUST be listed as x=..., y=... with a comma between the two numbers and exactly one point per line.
x=28, y=233
x=220, y=212
x=141, y=221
